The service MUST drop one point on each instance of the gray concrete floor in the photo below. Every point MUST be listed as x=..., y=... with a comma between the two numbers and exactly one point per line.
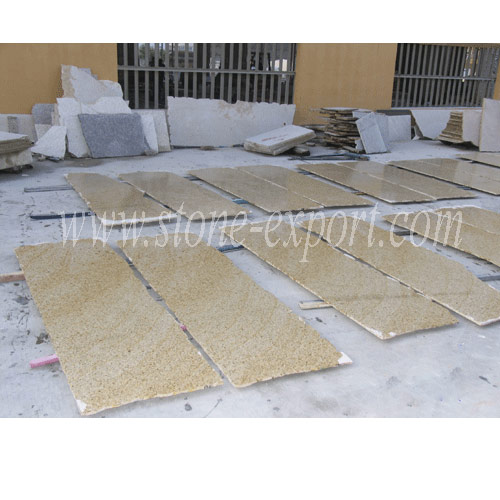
x=447, y=372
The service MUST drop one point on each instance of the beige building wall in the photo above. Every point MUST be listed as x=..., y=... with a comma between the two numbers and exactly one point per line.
x=342, y=74
x=31, y=73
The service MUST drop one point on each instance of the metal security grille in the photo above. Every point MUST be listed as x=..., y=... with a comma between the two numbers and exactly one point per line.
x=255, y=72
x=444, y=75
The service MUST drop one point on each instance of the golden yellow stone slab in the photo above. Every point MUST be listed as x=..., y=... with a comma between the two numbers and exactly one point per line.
x=259, y=192
x=487, y=158
x=452, y=173
x=452, y=232
x=481, y=218
x=379, y=304
x=246, y=331
x=185, y=197
x=324, y=194
x=115, y=202
x=438, y=278
x=116, y=344
x=466, y=166
x=378, y=188
x=439, y=190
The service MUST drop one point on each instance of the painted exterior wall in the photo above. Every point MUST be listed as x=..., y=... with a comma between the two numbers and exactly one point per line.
x=31, y=73
x=342, y=74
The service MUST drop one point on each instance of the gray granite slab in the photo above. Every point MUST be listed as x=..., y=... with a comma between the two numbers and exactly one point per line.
x=489, y=134
x=371, y=136
x=112, y=135
x=42, y=113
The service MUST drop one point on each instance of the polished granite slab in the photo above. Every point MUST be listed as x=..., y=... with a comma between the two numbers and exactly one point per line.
x=183, y=196
x=439, y=190
x=450, y=231
x=245, y=330
x=116, y=203
x=457, y=174
x=492, y=159
x=318, y=191
x=441, y=279
x=487, y=220
x=115, y=343
x=378, y=303
x=257, y=191
x=378, y=188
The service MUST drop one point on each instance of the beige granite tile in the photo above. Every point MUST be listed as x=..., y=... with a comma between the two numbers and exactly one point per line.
x=466, y=166
x=381, y=189
x=246, y=331
x=259, y=192
x=481, y=218
x=451, y=232
x=487, y=158
x=437, y=189
x=183, y=196
x=320, y=192
x=460, y=175
x=116, y=344
x=115, y=202
x=443, y=280
x=379, y=304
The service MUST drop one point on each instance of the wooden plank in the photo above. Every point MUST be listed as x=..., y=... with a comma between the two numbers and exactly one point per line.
x=439, y=190
x=117, y=203
x=379, y=304
x=183, y=196
x=452, y=232
x=320, y=192
x=246, y=331
x=259, y=192
x=116, y=344
x=378, y=188
x=9, y=277
x=443, y=280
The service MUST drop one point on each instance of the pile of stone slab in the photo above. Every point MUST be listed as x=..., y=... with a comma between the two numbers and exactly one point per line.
x=340, y=130
x=462, y=127
x=93, y=120
x=14, y=150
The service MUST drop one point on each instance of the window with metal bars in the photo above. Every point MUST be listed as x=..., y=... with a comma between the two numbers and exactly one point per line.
x=428, y=75
x=253, y=72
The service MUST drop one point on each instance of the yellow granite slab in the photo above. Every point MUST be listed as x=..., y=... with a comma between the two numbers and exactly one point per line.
x=451, y=232
x=443, y=280
x=452, y=173
x=379, y=304
x=439, y=190
x=246, y=331
x=378, y=188
x=116, y=344
x=115, y=202
x=324, y=194
x=487, y=158
x=259, y=192
x=185, y=197
x=481, y=218
x=466, y=166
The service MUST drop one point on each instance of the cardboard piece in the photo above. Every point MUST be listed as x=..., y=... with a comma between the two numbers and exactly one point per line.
x=115, y=343
x=379, y=304
x=116, y=203
x=245, y=330
x=261, y=193
x=320, y=192
x=378, y=188
x=438, y=278
x=183, y=196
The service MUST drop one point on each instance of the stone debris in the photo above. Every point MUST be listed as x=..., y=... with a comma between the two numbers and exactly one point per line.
x=13, y=143
x=52, y=144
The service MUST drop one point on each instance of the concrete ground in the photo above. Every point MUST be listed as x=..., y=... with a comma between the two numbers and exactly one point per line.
x=446, y=372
